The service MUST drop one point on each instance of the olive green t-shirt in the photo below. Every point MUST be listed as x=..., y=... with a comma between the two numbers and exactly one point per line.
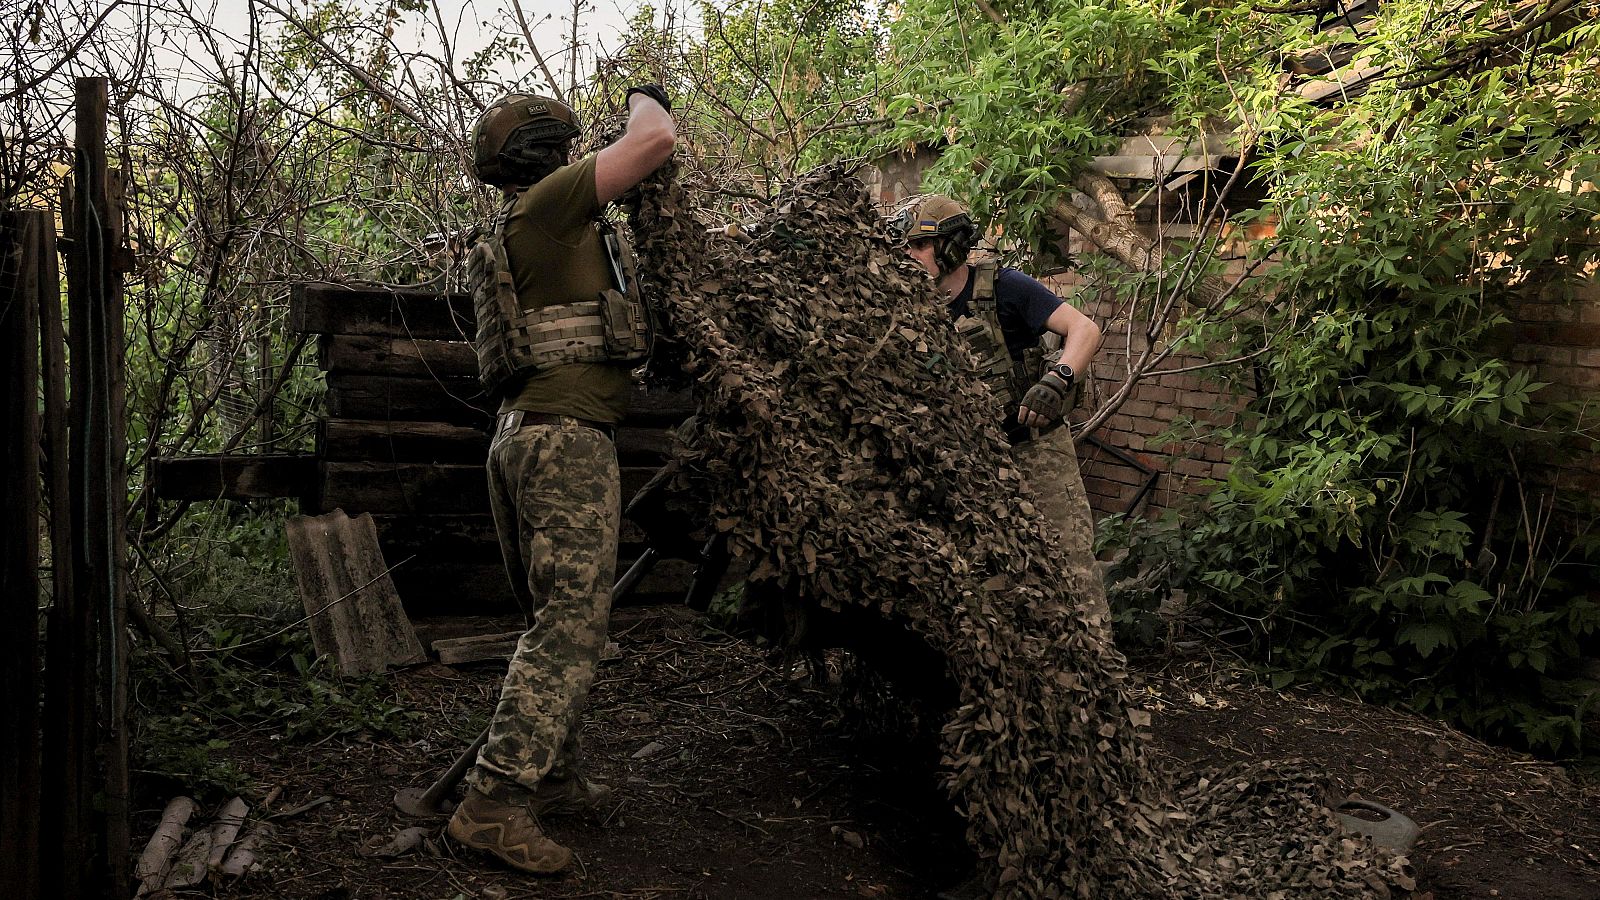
x=556, y=257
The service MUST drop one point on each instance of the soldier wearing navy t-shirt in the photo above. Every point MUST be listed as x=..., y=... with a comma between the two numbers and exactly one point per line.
x=1003, y=314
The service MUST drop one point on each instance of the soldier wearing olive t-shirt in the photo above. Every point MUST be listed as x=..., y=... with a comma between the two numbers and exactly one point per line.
x=559, y=330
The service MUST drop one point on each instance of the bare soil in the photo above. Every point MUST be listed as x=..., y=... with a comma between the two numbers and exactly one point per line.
x=735, y=778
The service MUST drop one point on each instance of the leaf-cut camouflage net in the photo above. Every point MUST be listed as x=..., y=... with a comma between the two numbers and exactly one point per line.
x=842, y=441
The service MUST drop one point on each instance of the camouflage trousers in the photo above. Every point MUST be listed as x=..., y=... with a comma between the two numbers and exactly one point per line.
x=1050, y=465
x=555, y=493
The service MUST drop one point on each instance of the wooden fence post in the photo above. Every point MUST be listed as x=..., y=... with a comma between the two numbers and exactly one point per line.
x=92, y=789
x=24, y=241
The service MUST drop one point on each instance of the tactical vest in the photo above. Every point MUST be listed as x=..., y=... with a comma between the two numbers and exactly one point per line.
x=615, y=327
x=1008, y=378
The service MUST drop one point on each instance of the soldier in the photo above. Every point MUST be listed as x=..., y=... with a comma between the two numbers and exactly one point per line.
x=1003, y=313
x=560, y=327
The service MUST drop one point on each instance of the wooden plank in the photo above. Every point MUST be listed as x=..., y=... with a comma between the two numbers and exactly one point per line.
x=90, y=857
x=233, y=477
x=441, y=538
x=347, y=309
x=455, y=588
x=409, y=488
x=418, y=489
x=378, y=440
x=458, y=401
x=380, y=355
x=1348, y=82
x=349, y=597
x=456, y=651
x=22, y=287
x=1154, y=165
x=1321, y=59
x=64, y=694
x=1208, y=144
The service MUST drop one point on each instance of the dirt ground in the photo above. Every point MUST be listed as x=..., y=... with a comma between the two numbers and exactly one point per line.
x=736, y=779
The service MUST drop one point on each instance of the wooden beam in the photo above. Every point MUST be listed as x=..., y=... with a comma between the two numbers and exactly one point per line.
x=457, y=651
x=1350, y=81
x=93, y=848
x=463, y=535
x=365, y=354
x=456, y=400
x=22, y=288
x=423, y=489
x=379, y=440
x=345, y=309
x=405, y=488
x=233, y=477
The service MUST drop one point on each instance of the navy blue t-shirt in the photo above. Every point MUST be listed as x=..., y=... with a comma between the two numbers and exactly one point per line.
x=1021, y=304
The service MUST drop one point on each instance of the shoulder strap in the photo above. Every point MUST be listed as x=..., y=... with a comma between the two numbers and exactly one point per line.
x=983, y=282
x=504, y=215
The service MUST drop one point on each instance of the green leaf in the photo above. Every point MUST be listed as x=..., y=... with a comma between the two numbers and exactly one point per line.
x=1425, y=637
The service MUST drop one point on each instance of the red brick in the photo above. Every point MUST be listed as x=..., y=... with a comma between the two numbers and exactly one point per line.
x=1562, y=333
x=1139, y=409
x=1587, y=357
x=1545, y=312
x=1543, y=353
x=1572, y=376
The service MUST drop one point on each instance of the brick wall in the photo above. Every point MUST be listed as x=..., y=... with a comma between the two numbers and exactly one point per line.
x=1558, y=335
x=1161, y=446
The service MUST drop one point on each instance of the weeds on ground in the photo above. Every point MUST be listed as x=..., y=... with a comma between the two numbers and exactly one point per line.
x=251, y=671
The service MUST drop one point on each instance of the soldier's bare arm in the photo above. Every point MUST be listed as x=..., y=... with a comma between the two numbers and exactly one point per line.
x=1080, y=337
x=643, y=147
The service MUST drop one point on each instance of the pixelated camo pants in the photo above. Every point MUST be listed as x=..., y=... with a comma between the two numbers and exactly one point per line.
x=556, y=498
x=1050, y=463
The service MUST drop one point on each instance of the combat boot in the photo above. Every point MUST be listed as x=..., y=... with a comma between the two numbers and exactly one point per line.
x=568, y=796
x=507, y=831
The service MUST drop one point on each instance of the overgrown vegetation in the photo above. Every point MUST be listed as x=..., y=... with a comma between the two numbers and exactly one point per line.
x=250, y=670
x=1384, y=526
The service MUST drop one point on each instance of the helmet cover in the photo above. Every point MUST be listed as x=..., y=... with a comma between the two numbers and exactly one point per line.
x=512, y=126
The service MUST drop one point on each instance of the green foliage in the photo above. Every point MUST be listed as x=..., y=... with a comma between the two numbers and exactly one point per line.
x=252, y=653
x=1019, y=108
x=1380, y=527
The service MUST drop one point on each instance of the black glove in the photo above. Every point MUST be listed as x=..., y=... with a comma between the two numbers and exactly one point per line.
x=1048, y=398
x=653, y=91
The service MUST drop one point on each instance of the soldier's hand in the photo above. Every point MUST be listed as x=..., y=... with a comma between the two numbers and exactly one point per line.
x=1046, y=401
x=653, y=91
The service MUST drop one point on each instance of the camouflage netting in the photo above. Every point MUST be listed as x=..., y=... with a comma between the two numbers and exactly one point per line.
x=841, y=441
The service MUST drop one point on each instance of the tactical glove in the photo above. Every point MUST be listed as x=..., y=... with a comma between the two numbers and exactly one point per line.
x=653, y=91
x=1048, y=399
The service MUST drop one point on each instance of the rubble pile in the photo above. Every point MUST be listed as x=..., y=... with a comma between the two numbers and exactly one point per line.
x=843, y=442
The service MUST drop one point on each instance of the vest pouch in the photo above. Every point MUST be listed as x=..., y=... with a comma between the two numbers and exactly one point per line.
x=494, y=304
x=994, y=363
x=627, y=329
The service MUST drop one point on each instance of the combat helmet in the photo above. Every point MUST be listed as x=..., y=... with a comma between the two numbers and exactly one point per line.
x=515, y=133
x=942, y=219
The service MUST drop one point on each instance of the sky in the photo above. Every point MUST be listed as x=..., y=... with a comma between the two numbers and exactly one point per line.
x=472, y=22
